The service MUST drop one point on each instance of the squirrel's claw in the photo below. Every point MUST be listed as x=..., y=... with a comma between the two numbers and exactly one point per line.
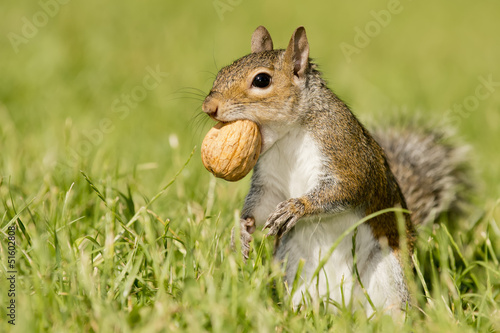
x=247, y=227
x=284, y=217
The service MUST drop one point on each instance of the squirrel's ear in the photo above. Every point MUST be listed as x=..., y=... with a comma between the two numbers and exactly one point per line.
x=261, y=40
x=297, y=52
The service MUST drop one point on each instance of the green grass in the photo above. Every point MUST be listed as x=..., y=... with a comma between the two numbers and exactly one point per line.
x=118, y=229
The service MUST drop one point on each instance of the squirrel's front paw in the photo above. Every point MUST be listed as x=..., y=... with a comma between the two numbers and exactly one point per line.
x=285, y=217
x=247, y=227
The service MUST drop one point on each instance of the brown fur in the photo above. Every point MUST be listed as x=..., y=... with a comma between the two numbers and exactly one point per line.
x=363, y=172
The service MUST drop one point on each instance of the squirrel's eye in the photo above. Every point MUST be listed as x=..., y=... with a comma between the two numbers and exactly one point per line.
x=261, y=80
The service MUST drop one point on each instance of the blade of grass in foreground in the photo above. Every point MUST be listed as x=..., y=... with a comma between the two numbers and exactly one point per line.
x=134, y=218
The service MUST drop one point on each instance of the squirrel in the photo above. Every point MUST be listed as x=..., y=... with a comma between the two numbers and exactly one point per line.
x=321, y=171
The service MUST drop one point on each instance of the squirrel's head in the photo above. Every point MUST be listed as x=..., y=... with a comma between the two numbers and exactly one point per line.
x=264, y=86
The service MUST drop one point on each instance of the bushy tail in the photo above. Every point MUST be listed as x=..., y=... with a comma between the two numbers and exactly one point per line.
x=433, y=173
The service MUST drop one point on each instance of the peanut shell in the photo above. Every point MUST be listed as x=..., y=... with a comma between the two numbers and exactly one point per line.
x=230, y=150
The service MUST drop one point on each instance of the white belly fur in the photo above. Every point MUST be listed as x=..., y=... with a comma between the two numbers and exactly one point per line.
x=379, y=270
x=290, y=169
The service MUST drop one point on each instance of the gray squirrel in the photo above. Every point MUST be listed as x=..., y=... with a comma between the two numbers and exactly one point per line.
x=321, y=171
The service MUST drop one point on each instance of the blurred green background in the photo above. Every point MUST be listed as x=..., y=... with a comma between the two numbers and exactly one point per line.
x=65, y=77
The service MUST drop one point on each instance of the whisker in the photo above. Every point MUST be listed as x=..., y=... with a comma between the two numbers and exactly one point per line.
x=212, y=74
x=199, y=99
x=190, y=91
x=215, y=62
x=193, y=90
x=198, y=123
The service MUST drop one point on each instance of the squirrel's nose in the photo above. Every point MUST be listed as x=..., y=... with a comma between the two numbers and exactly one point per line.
x=210, y=106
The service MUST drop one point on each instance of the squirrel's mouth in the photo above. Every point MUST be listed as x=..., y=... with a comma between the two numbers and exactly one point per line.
x=214, y=117
x=218, y=118
x=267, y=136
